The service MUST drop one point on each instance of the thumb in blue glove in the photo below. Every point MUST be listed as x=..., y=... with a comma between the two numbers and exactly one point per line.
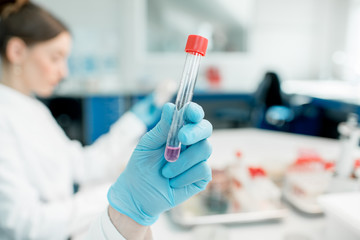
x=150, y=185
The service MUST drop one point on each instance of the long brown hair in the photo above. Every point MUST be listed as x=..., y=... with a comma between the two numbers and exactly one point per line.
x=28, y=21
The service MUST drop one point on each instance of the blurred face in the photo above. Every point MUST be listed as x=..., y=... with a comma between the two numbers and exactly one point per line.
x=45, y=65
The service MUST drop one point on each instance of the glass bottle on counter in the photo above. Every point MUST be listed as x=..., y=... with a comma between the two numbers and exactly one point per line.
x=349, y=137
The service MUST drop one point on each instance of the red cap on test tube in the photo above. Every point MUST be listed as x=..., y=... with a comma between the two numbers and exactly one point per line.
x=196, y=44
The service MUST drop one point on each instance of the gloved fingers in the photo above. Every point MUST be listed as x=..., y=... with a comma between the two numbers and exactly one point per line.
x=200, y=185
x=188, y=158
x=199, y=172
x=157, y=136
x=167, y=113
x=194, y=132
x=193, y=113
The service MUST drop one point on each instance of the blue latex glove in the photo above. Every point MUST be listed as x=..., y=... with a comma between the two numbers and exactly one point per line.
x=146, y=110
x=150, y=185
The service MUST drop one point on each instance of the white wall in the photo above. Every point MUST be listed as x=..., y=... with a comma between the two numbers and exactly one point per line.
x=299, y=37
x=352, y=57
x=294, y=37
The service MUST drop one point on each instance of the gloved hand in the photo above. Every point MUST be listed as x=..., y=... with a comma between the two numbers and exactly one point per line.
x=147, y=111
x=150, y=185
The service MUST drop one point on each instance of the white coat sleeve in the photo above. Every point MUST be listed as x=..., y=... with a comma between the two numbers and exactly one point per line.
x=25, y=215
x=103, y=159
x=103, y=229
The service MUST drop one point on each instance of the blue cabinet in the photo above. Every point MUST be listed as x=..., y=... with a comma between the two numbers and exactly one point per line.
x=100, y=112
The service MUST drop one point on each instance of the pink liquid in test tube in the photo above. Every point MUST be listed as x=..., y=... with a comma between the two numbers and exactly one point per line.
x=195, y=49
x=172, y=153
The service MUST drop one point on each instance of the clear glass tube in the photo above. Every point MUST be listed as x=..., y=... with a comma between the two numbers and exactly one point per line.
x=184, y=96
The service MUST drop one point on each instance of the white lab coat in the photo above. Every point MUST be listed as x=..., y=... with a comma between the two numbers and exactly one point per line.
x=39, y=164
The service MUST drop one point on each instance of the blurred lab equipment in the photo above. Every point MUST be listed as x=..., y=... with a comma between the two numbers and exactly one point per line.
x=349, y=137
x=312, y=176
x=195, y=49
x=264, y=193
x=306, y=179
x=274, y=152
x=217, y=195
x=213, y=77
x=356, y=173
x=238, y=193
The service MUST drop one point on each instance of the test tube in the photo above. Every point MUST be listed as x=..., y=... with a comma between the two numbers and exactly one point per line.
x=195, y=49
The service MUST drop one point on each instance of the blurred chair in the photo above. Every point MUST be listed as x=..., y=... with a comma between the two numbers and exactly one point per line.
x=267, y=95
x=269, y=92
x=271, y=108
x=275, y=110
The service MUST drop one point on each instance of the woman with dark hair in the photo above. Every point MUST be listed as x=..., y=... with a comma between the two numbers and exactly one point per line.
x=23, y=25
x=39, y=164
